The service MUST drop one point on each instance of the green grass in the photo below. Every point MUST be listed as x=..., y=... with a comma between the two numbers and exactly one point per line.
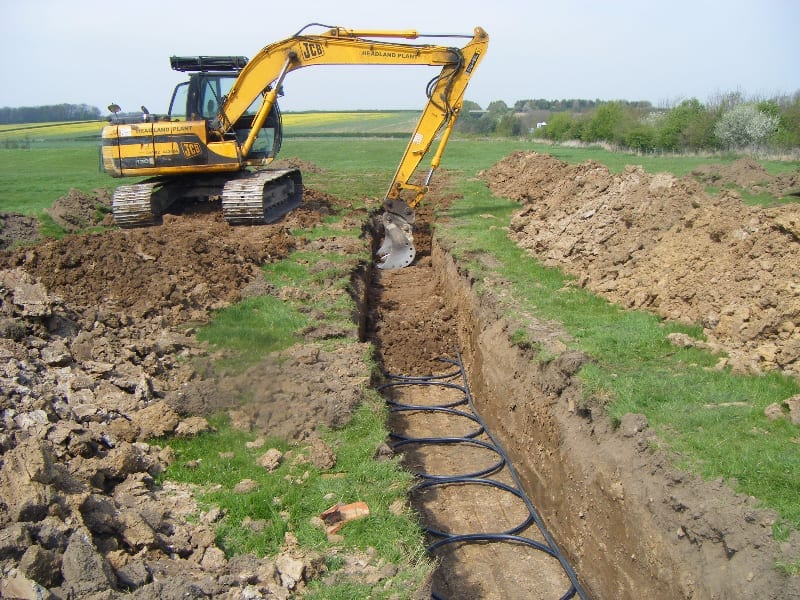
x=287, y=498
x=252, y=328
x=752, y=199
x=33, y=179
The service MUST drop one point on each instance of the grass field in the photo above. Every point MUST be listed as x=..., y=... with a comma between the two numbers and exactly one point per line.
x=717, y=444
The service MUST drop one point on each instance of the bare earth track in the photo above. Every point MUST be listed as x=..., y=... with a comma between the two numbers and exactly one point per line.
x=95, y=331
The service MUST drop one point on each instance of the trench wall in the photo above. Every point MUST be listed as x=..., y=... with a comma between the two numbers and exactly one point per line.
x=575, y=468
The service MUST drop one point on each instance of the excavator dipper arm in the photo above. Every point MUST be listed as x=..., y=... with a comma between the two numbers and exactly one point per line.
x=263, y=76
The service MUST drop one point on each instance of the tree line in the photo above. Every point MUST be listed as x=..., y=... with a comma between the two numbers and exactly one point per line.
x=53, y=113
x=728, y=122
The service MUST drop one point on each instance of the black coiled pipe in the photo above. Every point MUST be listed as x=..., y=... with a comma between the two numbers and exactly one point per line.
x=479, y=477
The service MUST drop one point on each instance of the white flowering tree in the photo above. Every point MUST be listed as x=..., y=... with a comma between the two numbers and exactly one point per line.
x=744, y=126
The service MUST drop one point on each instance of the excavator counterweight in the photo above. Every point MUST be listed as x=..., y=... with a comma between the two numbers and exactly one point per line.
x=224, y=130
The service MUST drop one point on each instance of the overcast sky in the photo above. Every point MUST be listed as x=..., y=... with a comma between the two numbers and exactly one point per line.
x=97, y=52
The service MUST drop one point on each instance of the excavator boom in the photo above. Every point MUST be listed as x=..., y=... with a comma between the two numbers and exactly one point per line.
x=252, y=99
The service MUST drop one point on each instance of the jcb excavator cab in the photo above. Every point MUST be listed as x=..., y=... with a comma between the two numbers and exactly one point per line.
x=211, y=79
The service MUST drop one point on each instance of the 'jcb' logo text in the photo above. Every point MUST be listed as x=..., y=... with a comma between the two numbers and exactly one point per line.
x=191, y=149
x=312, y=50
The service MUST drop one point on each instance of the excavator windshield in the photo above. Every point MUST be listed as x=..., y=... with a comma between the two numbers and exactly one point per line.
x=180, y=99
x=201, y=96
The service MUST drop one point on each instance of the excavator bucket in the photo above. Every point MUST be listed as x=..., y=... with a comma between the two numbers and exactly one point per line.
x=397, y=249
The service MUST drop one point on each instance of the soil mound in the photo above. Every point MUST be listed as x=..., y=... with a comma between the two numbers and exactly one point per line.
x=663, y=244
x=78, y=210
x=748, y=174
x=17, y=229
x=97, y=359
x=189, y=263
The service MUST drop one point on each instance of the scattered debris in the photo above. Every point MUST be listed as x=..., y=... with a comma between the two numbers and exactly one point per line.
x=339, y=514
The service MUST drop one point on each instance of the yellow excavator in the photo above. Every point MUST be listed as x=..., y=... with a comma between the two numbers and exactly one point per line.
x=224, y=129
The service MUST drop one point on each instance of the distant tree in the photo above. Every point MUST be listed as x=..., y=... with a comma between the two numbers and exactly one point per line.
x=789, y=128
x=604, y=123
x=641, y=138
x=523, y=105
x=687, y=125
x=474, y=120
x=510, y=126
x=724, y=102
x=745, y=126
x=470, y=105
x=561, y=126
x=49, y=113
x=497, y=107
x=787, y=110
x=682, y=127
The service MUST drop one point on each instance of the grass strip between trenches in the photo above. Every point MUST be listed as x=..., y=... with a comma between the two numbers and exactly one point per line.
x=714, y=420
x=288, y=498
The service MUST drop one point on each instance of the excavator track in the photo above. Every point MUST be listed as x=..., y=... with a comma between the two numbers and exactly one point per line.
x=132, y=205
x=261, y=197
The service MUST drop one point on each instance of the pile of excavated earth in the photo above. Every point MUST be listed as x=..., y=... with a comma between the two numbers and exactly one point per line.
x=661, y=243
x=98, y=356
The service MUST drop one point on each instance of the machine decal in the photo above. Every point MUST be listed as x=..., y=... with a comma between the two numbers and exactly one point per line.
x=312, y=50
x=191, y=149
x=389, y=54
x=472, y=61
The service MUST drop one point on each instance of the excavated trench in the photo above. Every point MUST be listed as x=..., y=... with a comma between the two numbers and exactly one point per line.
x=419, y=319
x=585, y=481
x=483, y=525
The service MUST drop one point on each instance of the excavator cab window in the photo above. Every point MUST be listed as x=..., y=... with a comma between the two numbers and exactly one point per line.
x=212, y=93
x=179, y=103
x=200, y=97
